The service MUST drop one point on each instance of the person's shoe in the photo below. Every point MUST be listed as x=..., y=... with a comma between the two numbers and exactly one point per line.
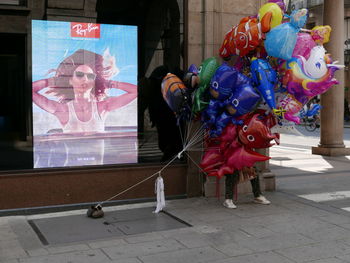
x=261, y=200
x=229, y=204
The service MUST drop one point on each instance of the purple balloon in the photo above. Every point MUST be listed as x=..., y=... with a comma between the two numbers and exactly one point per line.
x=280, y=4
x=225, y=80
x=243, y=100
x=193, y=69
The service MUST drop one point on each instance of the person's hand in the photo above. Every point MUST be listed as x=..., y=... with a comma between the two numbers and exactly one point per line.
x=109, y=65
x=111, y=84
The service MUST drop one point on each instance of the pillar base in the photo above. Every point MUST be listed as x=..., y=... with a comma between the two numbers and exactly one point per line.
x=329, y=151
x=269, y=180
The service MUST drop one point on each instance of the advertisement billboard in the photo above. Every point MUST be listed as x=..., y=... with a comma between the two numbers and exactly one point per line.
x=84, y=94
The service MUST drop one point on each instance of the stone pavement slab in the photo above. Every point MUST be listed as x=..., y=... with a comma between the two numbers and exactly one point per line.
x=195, y=255
x=141, y=249
x=258, y=258
x=10, y=249
x=316, y=251
x=329, y=260
x=86, y=256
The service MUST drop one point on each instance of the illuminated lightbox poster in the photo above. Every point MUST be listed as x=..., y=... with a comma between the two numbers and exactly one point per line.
x=84, y=94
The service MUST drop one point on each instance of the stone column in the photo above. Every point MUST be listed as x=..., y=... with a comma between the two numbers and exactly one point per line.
x=332, y=113
x=267, y=178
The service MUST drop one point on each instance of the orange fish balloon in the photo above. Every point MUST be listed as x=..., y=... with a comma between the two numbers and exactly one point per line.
x=244, y=37
x=174, y=93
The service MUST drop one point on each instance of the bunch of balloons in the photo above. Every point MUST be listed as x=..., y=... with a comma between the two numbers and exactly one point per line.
x=271, y=68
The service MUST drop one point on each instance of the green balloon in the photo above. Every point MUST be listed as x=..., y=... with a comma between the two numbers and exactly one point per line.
x=205, y=73
x=206, y=70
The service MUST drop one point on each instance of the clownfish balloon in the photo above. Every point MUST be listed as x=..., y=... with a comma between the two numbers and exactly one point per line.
x=244, y=37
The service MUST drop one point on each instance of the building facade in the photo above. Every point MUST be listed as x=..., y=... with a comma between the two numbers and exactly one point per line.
x=171, y=33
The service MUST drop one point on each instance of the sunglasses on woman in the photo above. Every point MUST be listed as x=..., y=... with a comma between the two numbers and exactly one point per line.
x=90, y=76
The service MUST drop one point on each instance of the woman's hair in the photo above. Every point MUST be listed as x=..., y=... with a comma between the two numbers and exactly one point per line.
x=64, y=72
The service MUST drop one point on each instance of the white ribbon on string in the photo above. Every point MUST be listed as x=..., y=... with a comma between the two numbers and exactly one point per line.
x=159, y=190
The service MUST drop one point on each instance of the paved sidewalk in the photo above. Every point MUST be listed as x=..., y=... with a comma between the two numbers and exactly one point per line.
x=291, y=229
x=308, y=221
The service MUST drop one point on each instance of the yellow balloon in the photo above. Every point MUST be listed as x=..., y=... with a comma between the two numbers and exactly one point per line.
x=274, y=10
x=321, y=34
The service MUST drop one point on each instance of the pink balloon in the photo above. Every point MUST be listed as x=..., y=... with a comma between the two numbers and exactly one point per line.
x=291, y=105
x=303, y=46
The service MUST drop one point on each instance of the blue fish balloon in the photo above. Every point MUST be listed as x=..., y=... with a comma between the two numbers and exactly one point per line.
x=265, y=79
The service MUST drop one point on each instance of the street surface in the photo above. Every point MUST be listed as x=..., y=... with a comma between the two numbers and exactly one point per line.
x=317, y=178
x=308, y=221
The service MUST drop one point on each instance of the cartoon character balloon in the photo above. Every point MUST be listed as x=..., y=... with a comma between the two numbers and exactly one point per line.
x=233, y=149
x=224, y=81
x=305, y=43
x=312, y=76
x=232, y=96
x=321, y=34
x=280, y=41
x=242, y=101
x=306, y=78
x=244, y=37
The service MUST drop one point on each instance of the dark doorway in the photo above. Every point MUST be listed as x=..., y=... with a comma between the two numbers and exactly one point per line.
x=159, y=46
x=158, y=24
x=15, y=103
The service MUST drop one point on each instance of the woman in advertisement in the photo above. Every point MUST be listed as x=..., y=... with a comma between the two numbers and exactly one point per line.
x=77, y=97
x=80, y=85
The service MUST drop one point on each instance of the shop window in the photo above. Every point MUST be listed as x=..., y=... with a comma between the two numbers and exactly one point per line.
x=31, y=132
x=13, y=2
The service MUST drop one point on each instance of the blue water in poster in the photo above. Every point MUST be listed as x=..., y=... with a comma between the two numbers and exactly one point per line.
x=84, y=93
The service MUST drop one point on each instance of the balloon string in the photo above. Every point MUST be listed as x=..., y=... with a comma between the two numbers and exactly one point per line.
x=197, y=134
x=189, y=127
x=197, y=137
x=196, y=163
x=182, y=136
x=144, y=180
x=200, y=168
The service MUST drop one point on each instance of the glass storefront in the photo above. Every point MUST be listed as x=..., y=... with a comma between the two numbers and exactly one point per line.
x=36, y=127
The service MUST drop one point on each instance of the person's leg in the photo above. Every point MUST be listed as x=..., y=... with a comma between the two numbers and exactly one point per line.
x=229, y=183
x=256, y=186
x=258, y=197
x=229, y=186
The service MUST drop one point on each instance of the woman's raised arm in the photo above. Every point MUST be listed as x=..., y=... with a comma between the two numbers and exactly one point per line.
x=113, y=103
x=43, y=102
